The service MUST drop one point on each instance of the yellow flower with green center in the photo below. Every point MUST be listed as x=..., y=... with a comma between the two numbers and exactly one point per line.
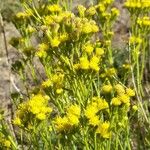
x=48, y=20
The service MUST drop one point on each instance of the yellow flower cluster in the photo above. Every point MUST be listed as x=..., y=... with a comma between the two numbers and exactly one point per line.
x=92, y=114
x=33, y=109
x=144, y=22
x=135, y=40
x=97, y=104
x=142, y=4
x=70, y=120
x=104, y=129
x=42, y=50
x=102, y=10
x=110, y=72
x=85, y=64
x=5, y=143
x=54, y=8
x=56, y=82
x=123, y=95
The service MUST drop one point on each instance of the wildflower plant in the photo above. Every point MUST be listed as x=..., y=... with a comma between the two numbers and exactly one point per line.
x=80, y=102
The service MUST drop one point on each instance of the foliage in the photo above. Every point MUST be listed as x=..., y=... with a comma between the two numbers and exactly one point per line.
x=83, y=102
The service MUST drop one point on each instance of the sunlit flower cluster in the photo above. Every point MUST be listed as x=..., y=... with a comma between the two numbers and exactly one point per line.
x=144, y=23
x=139, y=5
x=32, y=110
x=79, y=97
x=4, y=142
x=70, y=120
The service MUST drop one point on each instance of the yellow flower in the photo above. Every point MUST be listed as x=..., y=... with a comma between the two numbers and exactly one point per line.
x=94, y=121
x=21, y=15
x=87, y=28
x=41, y=116
x=119, y=89
x=95, y=28
x=74, y=110
x=48, y=20
x=88, y=48
x=31, y=110
x=91, y=11
x=103, y=130
x=76, y=66
x=99, y=51
x=47, y=83
x=101, y=7
x=111, y=72
x=59, y=91
x=54, y=8
x=94, y=63
x=115, y=11
x=91, y=111
x=107, y=88
x=42, y=48
x=7, y=143
x=130, y=92
x=72, y=119
x=61, y=124
x=17, y=121
x=55, y=42
x=102, y=104
x=124, y=98
x=64, y=37
x=115, y=101
x=81, y=10
x=136, y=40
x=41, y=54
x=135, y=107
x=84, y=63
